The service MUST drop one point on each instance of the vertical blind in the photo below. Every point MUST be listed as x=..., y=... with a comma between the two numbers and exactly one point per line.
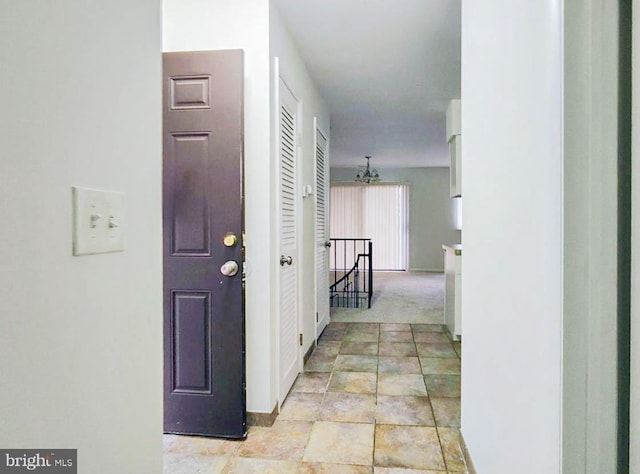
x=378, y=212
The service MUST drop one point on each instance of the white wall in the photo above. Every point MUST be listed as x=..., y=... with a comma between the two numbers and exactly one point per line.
x=243, y=24
x=81, y=337
x=431, y=212
x=512, y=238
x=294, y=71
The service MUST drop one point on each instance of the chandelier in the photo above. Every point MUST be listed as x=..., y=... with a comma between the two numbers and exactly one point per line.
x=367, y=175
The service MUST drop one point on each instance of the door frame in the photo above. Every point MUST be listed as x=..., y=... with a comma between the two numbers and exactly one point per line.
x=278, y=76
x=594, y=267
x=634, y=399
x=317, y=129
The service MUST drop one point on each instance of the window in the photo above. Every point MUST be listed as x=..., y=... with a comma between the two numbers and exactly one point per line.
x=378, y=212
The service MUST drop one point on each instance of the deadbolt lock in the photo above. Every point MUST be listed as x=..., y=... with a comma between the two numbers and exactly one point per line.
x=230, y=240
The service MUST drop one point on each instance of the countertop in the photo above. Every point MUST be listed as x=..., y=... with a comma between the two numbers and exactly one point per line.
x=455, y=248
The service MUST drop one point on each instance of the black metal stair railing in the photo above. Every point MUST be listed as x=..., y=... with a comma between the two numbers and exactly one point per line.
x=351, y=281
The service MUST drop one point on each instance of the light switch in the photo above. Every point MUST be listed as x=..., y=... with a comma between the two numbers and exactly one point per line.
x=98, y=221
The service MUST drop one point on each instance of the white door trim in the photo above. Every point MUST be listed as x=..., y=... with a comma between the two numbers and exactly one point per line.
x=320, y=324
x=590, y=234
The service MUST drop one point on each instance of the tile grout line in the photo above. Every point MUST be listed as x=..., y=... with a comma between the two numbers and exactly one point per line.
x=375, y=413
x=433, y=414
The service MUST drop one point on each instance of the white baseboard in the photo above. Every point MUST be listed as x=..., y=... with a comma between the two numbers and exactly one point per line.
x=467, y=457
x=430, y=270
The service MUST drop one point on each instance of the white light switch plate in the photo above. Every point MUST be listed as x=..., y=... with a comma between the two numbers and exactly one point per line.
x=98, y=221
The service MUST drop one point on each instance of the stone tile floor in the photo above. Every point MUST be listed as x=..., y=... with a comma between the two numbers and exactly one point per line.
x=374, y=398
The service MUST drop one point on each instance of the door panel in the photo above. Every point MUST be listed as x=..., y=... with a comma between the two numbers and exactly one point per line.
x=322, y=234
x=192, y=342
x=204, y=370
x=191, y=217
x=288, y=210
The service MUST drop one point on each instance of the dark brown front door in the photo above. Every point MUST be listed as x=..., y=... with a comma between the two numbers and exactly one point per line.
x=204, y=356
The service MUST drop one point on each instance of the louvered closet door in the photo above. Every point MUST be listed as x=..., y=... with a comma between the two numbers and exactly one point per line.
x=322, y=234
x=289, y=343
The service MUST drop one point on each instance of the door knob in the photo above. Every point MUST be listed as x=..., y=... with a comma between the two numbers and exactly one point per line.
x=229, y=268
x=327, y=244
x=288, y=260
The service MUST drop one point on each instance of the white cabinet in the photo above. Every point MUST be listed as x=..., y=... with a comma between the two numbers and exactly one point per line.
x=455, y=153
x=454, y=139
x=452, y=288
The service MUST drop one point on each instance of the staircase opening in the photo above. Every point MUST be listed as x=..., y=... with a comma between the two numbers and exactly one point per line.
x=351, y=278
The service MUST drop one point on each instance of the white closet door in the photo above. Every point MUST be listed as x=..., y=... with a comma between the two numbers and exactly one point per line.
x=322, y=234
x=288, y=206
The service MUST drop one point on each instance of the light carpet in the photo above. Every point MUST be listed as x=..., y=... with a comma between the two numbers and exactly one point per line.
x=400, y=297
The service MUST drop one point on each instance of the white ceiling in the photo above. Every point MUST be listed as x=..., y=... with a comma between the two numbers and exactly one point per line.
x=387, y=69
